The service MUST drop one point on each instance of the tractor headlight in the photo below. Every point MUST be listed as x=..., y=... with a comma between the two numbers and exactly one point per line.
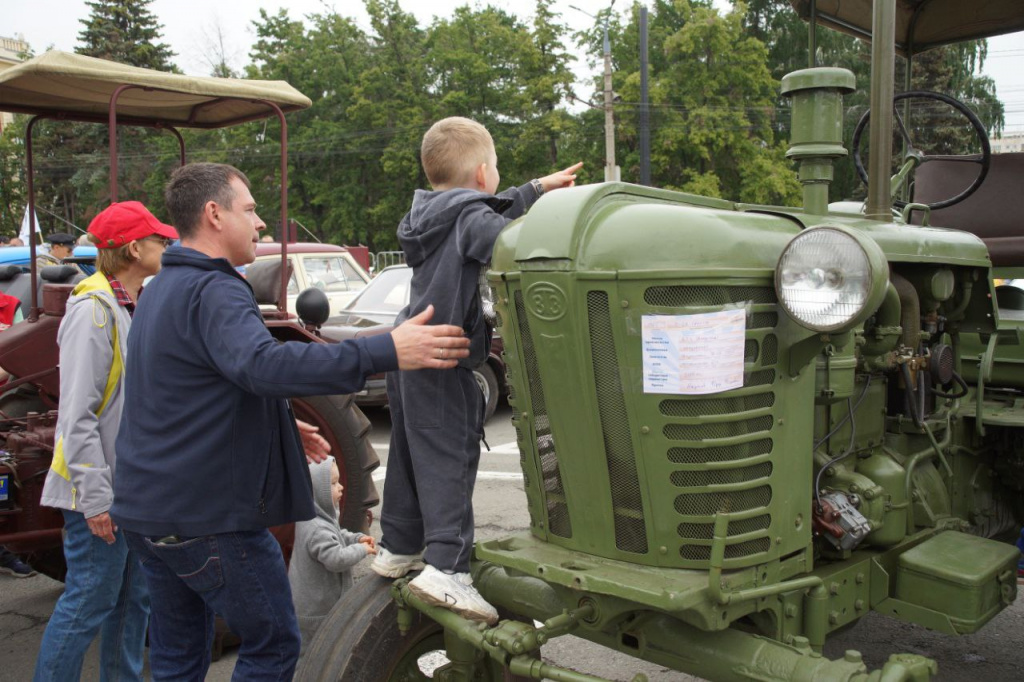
x=829, y=278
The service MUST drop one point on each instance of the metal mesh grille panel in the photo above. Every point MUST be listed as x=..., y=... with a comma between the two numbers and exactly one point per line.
x=715, y=406
x=742, y=549
x=760, y=378
x=704, y=504
x=725, y=453
x=696, y=479
x=559, y=522
x=719, y=421
x=627, y=503
x=711, y=431
x=770, y=350
x=750, y=350
x=706, y=531
x=695, y=296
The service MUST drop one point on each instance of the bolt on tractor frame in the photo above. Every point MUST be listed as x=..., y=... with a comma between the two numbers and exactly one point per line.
x=743, y=427
x=69, y=87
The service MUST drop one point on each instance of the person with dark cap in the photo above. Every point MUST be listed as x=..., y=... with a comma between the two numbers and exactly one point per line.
x=104, y=590
x=61, y=244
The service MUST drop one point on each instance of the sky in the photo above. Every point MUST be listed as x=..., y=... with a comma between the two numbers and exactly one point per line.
x=190, y=25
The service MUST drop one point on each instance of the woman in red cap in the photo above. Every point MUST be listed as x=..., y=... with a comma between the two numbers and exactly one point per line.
x=104, y=589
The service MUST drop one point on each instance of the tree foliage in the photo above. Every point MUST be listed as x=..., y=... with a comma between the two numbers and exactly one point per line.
x=719, y=125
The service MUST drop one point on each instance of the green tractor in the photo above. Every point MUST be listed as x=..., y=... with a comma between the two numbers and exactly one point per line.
x=742, y=428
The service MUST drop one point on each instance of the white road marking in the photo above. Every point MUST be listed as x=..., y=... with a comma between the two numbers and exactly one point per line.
x=381, y=472
x=510, y=448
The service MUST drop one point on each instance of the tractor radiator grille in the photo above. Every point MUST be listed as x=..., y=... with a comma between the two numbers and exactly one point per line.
x=630, y=527
x=697, y=296
x=721, y=446
x=559, y=522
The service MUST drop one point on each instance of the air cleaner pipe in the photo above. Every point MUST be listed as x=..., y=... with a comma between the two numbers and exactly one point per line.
x=883, y=61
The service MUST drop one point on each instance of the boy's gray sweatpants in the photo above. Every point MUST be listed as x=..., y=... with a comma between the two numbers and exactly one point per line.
x=436, y=425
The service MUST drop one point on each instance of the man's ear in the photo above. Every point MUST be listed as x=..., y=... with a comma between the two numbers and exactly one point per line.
x=211, y=212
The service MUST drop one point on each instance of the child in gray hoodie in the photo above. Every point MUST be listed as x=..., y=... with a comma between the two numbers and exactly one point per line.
x=437, y=417
x=324, y=553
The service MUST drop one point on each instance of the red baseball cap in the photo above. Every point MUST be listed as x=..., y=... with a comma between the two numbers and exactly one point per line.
x=126, y=221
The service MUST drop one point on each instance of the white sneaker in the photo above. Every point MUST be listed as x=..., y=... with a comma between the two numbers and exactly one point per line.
x=453, y=591
x=389, y=565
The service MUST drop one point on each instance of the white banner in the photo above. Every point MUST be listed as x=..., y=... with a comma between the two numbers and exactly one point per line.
x=25, y=228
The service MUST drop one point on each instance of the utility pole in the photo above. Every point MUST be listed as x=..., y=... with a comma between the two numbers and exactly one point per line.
x=645, y=120
x=611, y=171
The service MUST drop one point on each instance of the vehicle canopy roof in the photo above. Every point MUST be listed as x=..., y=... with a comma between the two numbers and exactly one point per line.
x=80, y=87
x=922, y=24
x=265, y=248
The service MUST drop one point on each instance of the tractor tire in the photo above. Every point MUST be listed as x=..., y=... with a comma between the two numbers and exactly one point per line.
x=15, y=404
x=347, y=430
x=488, y=382
x=359, y=641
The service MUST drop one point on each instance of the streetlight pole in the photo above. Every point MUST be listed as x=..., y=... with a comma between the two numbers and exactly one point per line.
x=611, y=171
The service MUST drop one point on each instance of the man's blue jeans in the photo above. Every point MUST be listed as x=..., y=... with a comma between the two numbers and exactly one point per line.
x=240, y=576
x=103, y=591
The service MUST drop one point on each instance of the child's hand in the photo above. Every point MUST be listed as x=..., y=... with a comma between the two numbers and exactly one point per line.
x=371, y=545
x=563, y=178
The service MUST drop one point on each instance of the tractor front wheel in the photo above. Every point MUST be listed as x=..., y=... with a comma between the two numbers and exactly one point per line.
x=359, y=640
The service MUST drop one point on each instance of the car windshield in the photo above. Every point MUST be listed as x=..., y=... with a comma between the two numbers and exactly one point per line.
x=387, y=292
x=332, y=273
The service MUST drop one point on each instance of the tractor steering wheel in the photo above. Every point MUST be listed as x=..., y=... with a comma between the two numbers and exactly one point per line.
x=976, y=124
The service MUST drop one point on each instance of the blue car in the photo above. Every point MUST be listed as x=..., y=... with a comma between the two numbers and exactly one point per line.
x=83, y=257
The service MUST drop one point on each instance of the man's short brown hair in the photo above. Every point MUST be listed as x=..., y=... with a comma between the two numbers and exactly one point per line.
x=453, y=148
x=192, y=186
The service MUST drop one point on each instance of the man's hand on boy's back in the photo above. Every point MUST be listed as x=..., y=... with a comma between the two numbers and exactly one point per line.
x=563, y=178
x=428, y=346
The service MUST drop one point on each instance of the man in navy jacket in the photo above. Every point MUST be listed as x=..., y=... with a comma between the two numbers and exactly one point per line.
x=209, y=453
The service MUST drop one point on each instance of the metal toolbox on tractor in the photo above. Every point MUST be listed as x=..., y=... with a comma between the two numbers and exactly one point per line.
x=968, y=578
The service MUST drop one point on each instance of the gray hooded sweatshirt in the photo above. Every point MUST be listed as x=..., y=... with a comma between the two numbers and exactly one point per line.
x=447, y=236
x=324, y=553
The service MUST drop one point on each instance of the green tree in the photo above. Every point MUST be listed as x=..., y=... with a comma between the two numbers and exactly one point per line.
x=713, y=104
x=72, y=160
x=124, y=31
x=392, y=106
x=12, y=177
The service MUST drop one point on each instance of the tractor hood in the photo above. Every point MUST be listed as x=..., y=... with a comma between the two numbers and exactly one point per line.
x=619, y=228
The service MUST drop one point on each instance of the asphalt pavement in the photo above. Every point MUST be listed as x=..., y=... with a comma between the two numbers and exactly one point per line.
x=995, y=654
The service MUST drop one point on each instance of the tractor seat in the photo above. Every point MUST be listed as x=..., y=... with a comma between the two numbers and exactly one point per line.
x=995, y=212
x=265, y=279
